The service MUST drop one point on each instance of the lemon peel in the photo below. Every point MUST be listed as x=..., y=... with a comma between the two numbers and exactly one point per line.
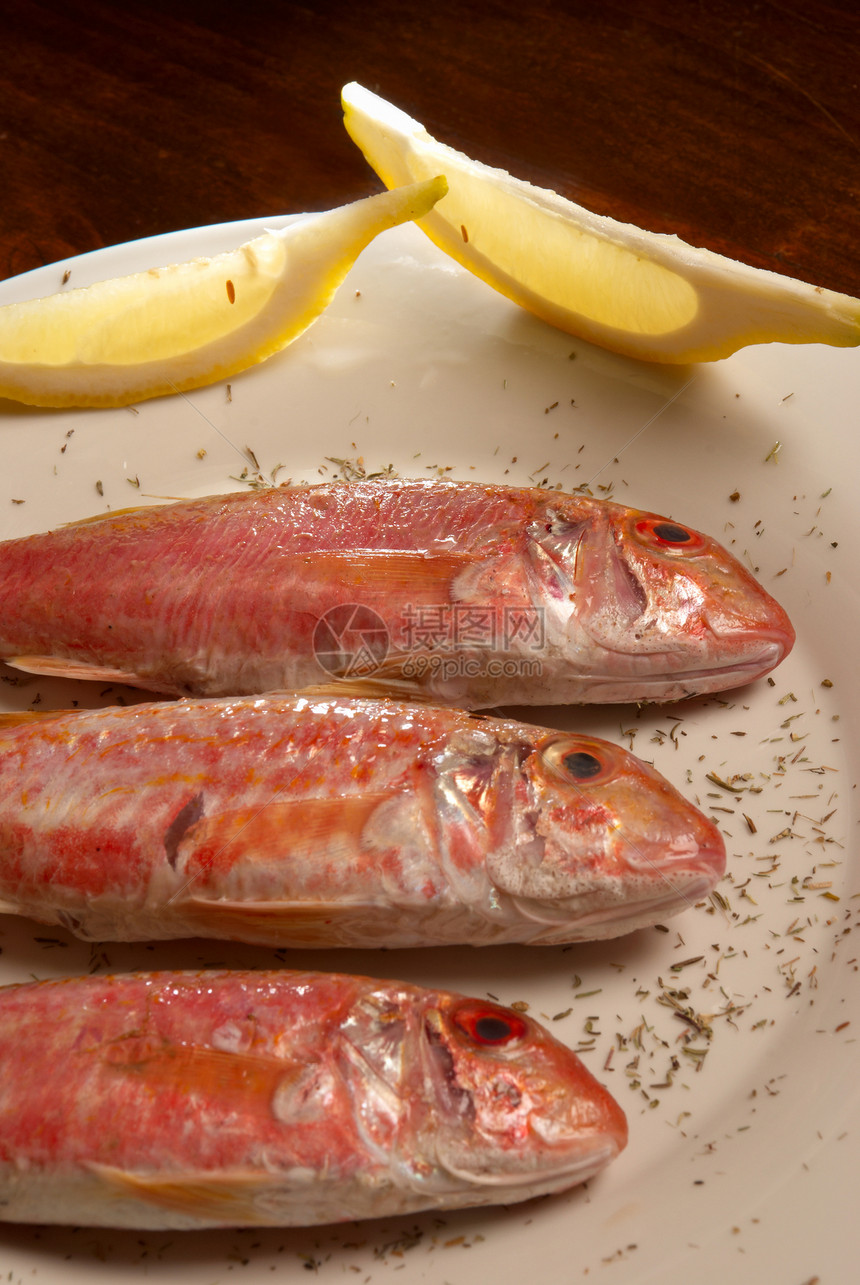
x=179, y=327
x=644, y=294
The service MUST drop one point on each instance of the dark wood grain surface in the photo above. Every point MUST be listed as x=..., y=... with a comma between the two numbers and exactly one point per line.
x=736, y=125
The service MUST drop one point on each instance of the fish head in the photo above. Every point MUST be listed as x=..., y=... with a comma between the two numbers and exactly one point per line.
x=508, y=1106
x=665, y=610
x=603, y=844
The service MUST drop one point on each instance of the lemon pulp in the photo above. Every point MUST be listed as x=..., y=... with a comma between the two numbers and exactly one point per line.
x=644, y=294
x=179, y=327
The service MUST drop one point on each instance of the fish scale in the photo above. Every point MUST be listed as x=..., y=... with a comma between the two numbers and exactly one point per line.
x=466, y=594
x=181, y=1100
x=337, y=821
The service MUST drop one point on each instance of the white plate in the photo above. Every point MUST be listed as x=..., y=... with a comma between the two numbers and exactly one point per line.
x=747, y=1166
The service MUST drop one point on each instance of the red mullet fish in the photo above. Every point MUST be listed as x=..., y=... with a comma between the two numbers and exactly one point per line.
x=338, y=822
x=470, y=594
x=214, y=1099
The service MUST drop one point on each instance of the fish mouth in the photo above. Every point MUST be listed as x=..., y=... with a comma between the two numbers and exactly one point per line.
x=599, y=1152
x=734, y=673
x=753, y=653
x=563, y=923
x=677, y=683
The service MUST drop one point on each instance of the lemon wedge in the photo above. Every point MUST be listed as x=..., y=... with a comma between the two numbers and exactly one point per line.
x=179, y=327
x=643, y=294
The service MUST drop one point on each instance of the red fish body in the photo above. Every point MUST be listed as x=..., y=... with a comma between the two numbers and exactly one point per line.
x=189, y=1100
x=338, y=822
x=475, y=595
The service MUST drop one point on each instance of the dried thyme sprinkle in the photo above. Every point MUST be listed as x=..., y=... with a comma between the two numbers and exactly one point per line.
x=257, y=481
x=696, y=1055
x=725, y=785
x=685, y=963
x=353, y=470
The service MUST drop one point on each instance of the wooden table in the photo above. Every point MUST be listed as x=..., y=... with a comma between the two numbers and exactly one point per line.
x=736, y=126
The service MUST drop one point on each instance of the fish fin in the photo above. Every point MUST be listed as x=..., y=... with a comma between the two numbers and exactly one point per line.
x=229, y=1196
x=394, y=571
x=373, y=688
x=112, y=514
x=63, y=667
x=305, y=924
x=243, y=1083
x=282, y=830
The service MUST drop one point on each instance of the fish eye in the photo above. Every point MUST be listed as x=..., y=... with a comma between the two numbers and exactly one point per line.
x=579, y=760
x=671, y=533
x=489, y=1026
x=581, y=765
x=665, y=534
